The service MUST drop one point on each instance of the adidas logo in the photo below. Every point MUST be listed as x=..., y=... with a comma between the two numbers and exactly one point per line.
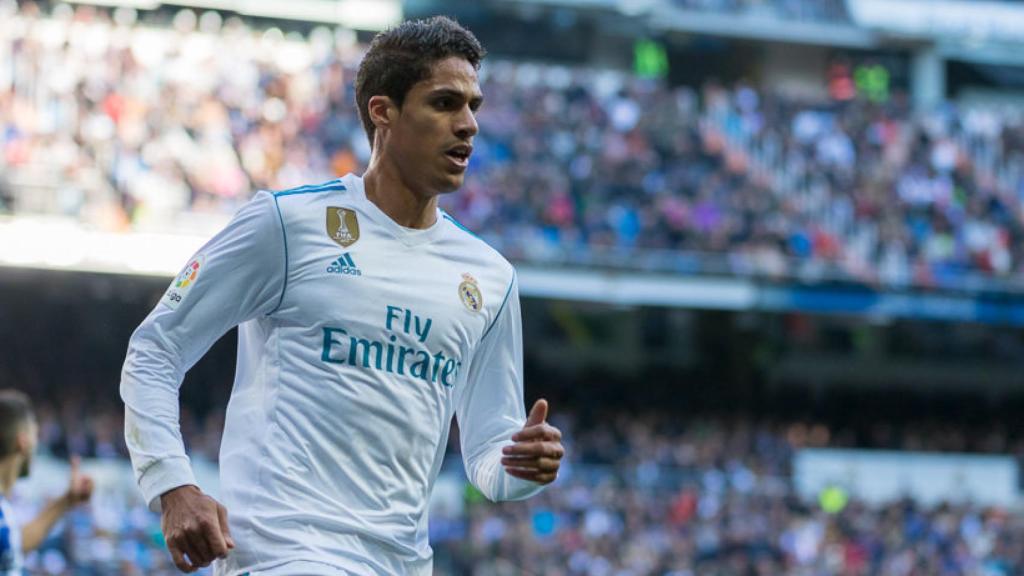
x=344, y=265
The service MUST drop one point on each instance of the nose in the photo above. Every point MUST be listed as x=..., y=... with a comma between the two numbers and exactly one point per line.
x=465, y=124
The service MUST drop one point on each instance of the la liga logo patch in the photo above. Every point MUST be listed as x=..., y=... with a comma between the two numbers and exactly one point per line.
x=188, y=275
x=182, y=285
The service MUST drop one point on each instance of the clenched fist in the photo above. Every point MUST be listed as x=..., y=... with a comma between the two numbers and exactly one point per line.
x=195, y=527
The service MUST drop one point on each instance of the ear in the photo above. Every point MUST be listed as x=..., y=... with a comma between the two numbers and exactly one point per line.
x=382, y=111
x=22, y=439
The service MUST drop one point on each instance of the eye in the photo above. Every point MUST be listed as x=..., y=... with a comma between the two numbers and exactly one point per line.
x=444, y=103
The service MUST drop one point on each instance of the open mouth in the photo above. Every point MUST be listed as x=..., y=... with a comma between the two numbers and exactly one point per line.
x=460, y=154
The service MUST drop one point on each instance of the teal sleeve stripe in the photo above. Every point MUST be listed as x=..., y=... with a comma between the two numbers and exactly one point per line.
x=459, y=225
x=311, y=190
x=284, y=237
x=502, y=309
x=335, y=182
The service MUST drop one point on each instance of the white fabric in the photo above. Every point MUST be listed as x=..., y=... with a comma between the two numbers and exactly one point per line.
x=301, y=568
x=346, y=382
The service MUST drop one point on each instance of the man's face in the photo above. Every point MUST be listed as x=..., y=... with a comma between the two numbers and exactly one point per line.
x=432, y=136
x=28, y=438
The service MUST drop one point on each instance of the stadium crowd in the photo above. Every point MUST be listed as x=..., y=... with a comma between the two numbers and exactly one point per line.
x=714, y=497
x=674, y=493
x=64, y=429
x=127, y=124
x=643, y=494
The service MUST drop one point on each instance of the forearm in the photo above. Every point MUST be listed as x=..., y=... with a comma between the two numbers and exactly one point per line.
x=150, y=379
x=34, y=533
x=154, y=439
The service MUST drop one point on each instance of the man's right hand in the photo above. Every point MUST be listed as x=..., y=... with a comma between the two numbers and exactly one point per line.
x=195, y=526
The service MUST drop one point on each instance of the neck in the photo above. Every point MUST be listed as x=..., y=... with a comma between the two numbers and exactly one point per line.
x=386, y=188
x=9, y=468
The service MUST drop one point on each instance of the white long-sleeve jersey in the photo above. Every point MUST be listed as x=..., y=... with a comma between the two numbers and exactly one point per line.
x=358, y=340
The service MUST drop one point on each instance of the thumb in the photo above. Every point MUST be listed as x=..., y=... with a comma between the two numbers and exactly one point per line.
x=538, y=414
x=75, y=461
x=222, y=516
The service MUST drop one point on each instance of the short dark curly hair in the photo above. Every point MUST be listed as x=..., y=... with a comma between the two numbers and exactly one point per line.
x=400, y=57
x=15, y=412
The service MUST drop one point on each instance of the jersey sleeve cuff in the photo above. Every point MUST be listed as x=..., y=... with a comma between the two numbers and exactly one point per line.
x=519, y=489
x=162, y=476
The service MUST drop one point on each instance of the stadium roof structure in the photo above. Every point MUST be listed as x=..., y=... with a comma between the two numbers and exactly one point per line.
x=761, y=27
x=958, y=27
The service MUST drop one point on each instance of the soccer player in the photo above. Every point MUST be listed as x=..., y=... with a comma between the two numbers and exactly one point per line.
x=18, y=438
x=367, y=318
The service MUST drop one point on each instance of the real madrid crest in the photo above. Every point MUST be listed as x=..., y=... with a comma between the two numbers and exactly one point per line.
x=342, y=226
x=470, y=294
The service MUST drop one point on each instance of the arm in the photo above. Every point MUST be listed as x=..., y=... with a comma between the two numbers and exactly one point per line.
x=238, y=275
x=33, y=533
x=490, y=408
x=79, y=491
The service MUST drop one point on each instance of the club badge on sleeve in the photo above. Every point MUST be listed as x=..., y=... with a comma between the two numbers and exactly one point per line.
x=470, y=294
x=182, y=285
x=342, y=226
